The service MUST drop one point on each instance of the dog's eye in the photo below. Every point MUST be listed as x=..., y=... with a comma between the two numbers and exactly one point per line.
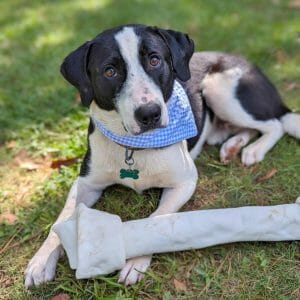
x=110, y=72
x=154, y=60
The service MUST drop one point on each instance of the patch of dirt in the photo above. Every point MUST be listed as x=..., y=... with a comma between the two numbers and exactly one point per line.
x=8, y=218
x=206, y=195
x=20, y=177
x=5, y=280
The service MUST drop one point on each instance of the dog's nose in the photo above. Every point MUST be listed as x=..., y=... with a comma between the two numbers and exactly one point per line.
x=148, y=115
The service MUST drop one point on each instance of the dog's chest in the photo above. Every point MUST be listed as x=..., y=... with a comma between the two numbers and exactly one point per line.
x=156, y=168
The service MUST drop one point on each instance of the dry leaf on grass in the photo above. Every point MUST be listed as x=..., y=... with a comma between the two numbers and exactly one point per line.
x=267, y=176
x=11, y=145
x=61, y=297
x=292, y=86
x=29, y=165
x=25, y=161
x=8, y=218
x=63, y=162
x=179, y=285
x=294, y=4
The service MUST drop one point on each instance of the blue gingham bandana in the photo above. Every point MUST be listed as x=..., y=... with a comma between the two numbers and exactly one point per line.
x=181, y=125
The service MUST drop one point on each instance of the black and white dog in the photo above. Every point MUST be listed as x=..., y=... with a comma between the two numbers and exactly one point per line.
x=126, y=76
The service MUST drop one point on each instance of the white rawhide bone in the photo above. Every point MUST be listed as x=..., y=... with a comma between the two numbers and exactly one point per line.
x=98, y=243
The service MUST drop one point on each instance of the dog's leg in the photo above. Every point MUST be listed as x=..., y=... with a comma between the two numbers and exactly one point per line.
x=272, y=131
x=171, y=201
x=41, y=267
x=233, y=146
x=217, y=134
x=196, y=150
x=220, y=131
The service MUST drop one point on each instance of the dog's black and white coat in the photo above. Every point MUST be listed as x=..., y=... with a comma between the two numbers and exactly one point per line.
x=125, y=76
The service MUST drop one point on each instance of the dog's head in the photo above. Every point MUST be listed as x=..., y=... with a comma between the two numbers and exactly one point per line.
x=131, y=69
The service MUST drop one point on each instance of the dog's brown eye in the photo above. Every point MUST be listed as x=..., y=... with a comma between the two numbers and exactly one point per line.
x=110, y=72
x=154, y=60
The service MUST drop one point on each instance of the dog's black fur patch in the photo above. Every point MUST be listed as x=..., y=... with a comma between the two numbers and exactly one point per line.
x=85, y=165
x=259, y=97
x=105, y=53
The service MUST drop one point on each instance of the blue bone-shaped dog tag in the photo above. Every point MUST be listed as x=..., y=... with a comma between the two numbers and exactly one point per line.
x=134, y=174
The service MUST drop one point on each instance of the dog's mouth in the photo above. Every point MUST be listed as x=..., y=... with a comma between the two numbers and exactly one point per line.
x=142, y=129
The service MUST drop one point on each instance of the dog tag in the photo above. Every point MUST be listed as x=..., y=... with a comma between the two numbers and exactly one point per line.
x=134, y=174
x=129, y=173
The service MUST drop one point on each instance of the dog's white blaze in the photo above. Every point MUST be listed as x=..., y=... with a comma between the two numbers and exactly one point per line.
x=137, y=81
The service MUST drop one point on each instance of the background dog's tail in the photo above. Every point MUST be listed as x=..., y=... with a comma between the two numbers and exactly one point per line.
x=291, y=124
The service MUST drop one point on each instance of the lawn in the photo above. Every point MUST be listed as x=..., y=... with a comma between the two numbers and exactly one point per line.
x=42, y=121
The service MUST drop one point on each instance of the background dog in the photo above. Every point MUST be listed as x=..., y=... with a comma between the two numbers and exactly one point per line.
x=126, y=76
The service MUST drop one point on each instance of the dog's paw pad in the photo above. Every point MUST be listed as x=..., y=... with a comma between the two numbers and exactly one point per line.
x=230, y=150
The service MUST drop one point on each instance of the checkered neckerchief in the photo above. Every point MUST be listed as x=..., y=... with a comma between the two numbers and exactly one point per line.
x=181, y=125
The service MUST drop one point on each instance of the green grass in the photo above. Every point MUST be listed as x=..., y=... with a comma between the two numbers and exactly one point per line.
x=39, y=112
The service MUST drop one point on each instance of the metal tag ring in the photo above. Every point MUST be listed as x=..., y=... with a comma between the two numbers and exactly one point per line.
x=129, y=161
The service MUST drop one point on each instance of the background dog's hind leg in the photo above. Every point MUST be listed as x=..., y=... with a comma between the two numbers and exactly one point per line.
x=219, y=132
x=42, y=266
x=232, y=147
x=272, y=131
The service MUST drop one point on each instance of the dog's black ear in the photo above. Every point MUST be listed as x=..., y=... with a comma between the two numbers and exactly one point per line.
x=74, y=69
x=181, y=48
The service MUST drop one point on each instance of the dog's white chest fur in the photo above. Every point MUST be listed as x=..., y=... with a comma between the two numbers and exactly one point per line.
x=157, y=168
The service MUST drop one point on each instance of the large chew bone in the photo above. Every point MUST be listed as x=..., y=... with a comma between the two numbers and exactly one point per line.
x=98, y=243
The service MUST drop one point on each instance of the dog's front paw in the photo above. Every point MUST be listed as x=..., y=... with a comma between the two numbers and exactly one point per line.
x=252, y=154
x=41, y=267
x=134, y=270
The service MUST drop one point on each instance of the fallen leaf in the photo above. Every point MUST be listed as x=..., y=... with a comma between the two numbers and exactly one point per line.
x=292, y=86
x=29, y=165
x=179, y=285
x=21, y=155
x=8, y=218
x=63, y=162
x=61, y=297
x=267, y=176
x=294, y=4
x=25, y=161
x=11, y=145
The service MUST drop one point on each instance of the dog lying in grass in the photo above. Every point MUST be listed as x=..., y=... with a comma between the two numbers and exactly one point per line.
x=153, y=104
